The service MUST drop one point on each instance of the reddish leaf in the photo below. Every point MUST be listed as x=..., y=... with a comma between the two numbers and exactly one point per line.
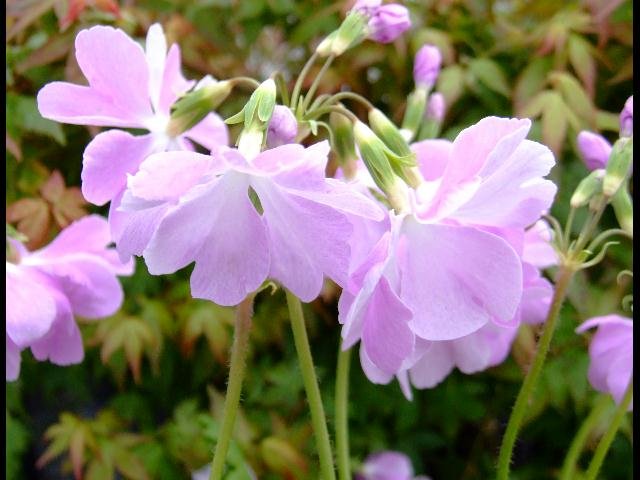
x=32, y=216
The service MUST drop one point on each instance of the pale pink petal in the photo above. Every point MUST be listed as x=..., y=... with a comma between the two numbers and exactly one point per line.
x=31, y=308
x=620, y=374
x=434, y=366
x=13, y=360
x=432, y=157
x=455, y=279
x=386, y=336
x=536, y=296
x=538, y=249
x=221, y=231
x=387, y=466
x=89, y=234
x=173, y=82
x=308, y=240
x=156, y=53
x=373, y=373
x=210, y=132
x=62, y=345
x=108, y=159
x=115, y=66
x=138, y=228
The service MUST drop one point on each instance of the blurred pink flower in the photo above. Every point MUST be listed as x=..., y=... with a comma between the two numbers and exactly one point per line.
x=283, y=127
x=294, y=230
x=386, y=22
x=626, y=118
x=426, y=66
x=594, y=149
x=74, y=275
x=611, y=352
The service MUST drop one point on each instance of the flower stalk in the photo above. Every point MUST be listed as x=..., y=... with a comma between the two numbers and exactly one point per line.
x=342, y=413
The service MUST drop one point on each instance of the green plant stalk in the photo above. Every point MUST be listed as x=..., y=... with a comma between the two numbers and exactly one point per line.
x=234, y=386
x=605, y=442
x=577, y=445
x=300, y=80
x=565, y=275
x=342, y=413
x=318, y=419
x=316, y=82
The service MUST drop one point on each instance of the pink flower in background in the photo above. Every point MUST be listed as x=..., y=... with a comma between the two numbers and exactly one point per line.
x=436, y=107
x=386, y=22
x=426, y=66
x=283, y=127
x=611, y=352
x=128, y=87
x=387, y=465
x=74, y=275
x=452, y=266
x=594, y=149
x=626, y=118
x=294, y=230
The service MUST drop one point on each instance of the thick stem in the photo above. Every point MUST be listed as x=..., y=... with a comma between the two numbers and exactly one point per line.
x=342, y=413
x=605, y=442
x=577, y=445
x=318, y=419
x=234, y=386
x=531, y=379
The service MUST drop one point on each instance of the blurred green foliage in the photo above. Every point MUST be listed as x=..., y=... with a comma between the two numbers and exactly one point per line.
x=146, y=401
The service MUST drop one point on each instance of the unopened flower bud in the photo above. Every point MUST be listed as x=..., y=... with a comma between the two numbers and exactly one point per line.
x=352, y=31
x=426, y=66
x=283, y=127
x=589, y=187
x=626, y=118
x=623, y=208
x=388, y=22
x=375, y=155
x=414, y=113
x=344, y=144
x=191, y=108
x=619, y=166
x=436, y=107
x=594, y=149
x=258, y=110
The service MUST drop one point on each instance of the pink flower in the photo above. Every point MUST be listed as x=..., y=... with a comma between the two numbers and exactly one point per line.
x=594, y=149
x=73, y=275
x=426, y=66
x=436, y=107
x=283, y=127
x=128, y=87
x=454, y=264
x=626, y=118
x=275, y=216
x=387, y=465
x=611, y=352
x=388, y=22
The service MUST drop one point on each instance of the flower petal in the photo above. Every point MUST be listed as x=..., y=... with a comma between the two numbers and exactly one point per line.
x=434, y=366
x=13, y=360
x=173, y=82
x=210, y=132
x=156, y=53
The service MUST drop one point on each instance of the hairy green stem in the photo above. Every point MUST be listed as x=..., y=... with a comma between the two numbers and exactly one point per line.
x=316, y=82
x=565, y=275
x=318, y=419
x=342, y=413
x=577, y=445
x=300, y=80
x=607, y=439
x=234, y=386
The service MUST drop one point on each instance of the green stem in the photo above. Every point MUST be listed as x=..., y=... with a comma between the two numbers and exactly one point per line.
x=310, y=380
x=577, y=445
x=234, y=387
x=316, y=82
x=567, y=228
x=342, y=413
x=531, y=379
x=300, y=80
x=590, y=226
x=351, y=96
x=605, y=442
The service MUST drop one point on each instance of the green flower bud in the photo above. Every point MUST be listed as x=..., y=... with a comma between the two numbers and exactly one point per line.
x=352, y=31
x=623, y=207
x=619, y=166
x=344, y=143
x=589, y=187
x=192, y=107
x=414, y=114
x=376, y=155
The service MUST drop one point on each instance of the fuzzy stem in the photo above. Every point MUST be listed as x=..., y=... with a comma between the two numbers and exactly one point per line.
x=234, y=387
x=577, y=445
x=342, y=413
x=605, y=442
x=531, y=379
x=318, y=419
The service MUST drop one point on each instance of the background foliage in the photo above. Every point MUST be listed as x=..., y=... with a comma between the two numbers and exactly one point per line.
x=145, y=402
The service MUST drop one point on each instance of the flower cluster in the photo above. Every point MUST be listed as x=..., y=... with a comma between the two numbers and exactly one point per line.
x=74, y=275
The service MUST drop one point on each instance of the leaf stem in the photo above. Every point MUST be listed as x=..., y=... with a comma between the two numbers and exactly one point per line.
x=234, y=387
x=318, y=419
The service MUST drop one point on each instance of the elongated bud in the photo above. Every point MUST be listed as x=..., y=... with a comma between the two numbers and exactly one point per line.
x=589, y=187
x=403, y=161
x=375, y=155
x=344, y=144
x=414, y=114
x=426, y=66
x=191, y=108
x=594, y=149
x=433, y=117
x=619, y=166
x=626, y=118
x=283, y=127
x=623, y=207
x=388, y=22
x=352, y=31
x=255, y=115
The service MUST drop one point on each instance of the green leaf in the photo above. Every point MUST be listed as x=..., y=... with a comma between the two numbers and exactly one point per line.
x=575, y=97
x=491, y=74
x=531, y=81
x=17, y=441
x=22, y=114
x=451, y=83
x=582, y=61
x=554, y=123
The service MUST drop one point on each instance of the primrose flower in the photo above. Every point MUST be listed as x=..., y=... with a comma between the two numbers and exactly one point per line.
x=128, y=88
x=426, y=66
x=74, y=275
x=283, y=127
x=594, y=149
x=453, y=264
x=387, y=465
x=435, y=107
x=626, y=118
x=611, y=352
x=385, y=22
x=275, y=216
